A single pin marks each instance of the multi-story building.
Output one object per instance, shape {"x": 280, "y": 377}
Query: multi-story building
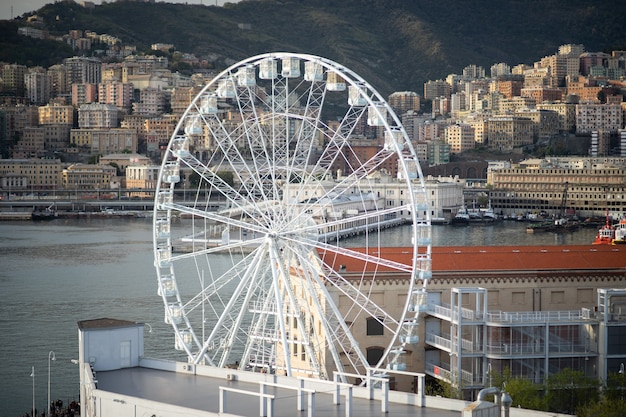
{"x": 600, "y": 143}
{"x": 104, "y": 141}
{"x": 438, "y": 152}
{"x": 83, "y": 177}
{"x": 38, "y": 86}
{"x": 541, "y": 94}
{"x": 460, "y": 137}
{"x": 566, "y": 112}
{"x": 587, "y": 89}
{"x": 116, "y": 93}
{"x": 586, "y": 186}
{"x": 158, "y": 132}
{"x": 13, "y": 79}
{"x": 509, "y": 86}
{"x": 505, "y": 133}
{"x": 437, "y": 88}
{"x": 499, "y": 69}
{"x": 142, "y": 177}
{"x": 31, "y": 144}
{"x": 480, "y": 126}
{"x": 125, "y": 160}
{"x": 530, "y": 309}
{"x": 536, "y": 77}
{"x": 97, "y": 116}
{"x": 56, "y": 114}
{"x": 58, "y": 79}
{"x": 403, "y": 101}
{"x": 592, "y": 59}
{"x": 181, "y": 98}
{"x": 473, "y": 72}
{"x": 152, "y": 102}
{"x": 514, "y": 104}
{"x": 83, "y": 70}
{"x": 546, "y": 123}
{"x": 57, "y": 137}
{"x": 84, "y": 93}
{"x": 596, "y": 116}
{"x": 36, "y": 173}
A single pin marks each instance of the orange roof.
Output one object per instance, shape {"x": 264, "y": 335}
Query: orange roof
{"x": 501, "y": 258}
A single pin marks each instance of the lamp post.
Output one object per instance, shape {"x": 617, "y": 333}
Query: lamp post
{"x": 51, "y": 357}
{"x": 32, "y": 375}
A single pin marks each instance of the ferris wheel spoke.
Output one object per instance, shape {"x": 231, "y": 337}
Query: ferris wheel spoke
{"x": 252, "y": 278}
{"x": 332, "y": 320}
{"x": 246, "y": 280}
{"x": 361, "y": 258}
{"x": 239, "y": 246}
{"x": 220, "y": 217}
{"x": 216, "y": 286}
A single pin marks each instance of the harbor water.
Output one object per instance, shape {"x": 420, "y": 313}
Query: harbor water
{"x": 54, "y": 274}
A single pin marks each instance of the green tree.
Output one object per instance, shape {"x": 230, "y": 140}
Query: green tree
{"x": 568, "y": 390}
{"x": 603, "y": 408}
{"x": 523, "y": 391}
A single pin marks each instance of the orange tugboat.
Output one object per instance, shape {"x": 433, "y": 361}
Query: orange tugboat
{"x": 606, "y": 234}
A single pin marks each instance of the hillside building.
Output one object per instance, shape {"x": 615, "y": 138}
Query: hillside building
{"x": 505, "y": 133}
{"x": 596, "y": 116}
{"x": 56, "y": 114}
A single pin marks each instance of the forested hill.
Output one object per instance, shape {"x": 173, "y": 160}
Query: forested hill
{"x": 394, "y": 44}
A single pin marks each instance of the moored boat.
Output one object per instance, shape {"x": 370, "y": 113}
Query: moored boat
{"x": 619, "y": 237}
{"x": 462, "y": 217}
{"x": 606, "y": 234}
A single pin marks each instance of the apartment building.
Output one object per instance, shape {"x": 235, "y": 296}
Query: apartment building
{"x": 116, "y": 93}
{"x": 83, "y": 70}
{"x": 34, "y": 173}
{"x": 460, "y": 137}
{"x": 437, "y": 88}
{"x": 38, "y": 84}
{"x": 403, "y": 101}
{"x": 546, "y": 123}
{"x": 84, "y": 93}
{"x": 97, "y": 116}
{"x": 596, "y": 116}
{"x": 13, "y": 79}
{"x": 505, "y": 133}
{"x": 56, "y": 114}
{"x": 566, "y": 113}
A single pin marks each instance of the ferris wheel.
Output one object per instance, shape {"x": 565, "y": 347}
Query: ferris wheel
{"x": 268, "y": 221}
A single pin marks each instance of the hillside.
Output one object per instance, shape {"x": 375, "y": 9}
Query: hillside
{"x": 394, "y": 44}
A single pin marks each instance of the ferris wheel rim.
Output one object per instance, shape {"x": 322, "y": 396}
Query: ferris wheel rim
{"x": 354, "y": 79}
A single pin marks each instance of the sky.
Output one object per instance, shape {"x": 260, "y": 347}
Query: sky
{"x": 14, "y": 8}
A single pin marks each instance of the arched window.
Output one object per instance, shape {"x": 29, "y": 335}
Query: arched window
{"x": 374, "y": 354}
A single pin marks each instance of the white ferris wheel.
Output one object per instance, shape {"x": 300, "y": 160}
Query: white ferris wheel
{"x": 258, "y": 197}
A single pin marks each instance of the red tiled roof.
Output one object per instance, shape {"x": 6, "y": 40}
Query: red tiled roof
{"x": 503, "y": 258}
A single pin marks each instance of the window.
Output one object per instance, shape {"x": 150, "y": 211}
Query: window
{"x": 374, "y": 327}
{"x": 374, "y": 354}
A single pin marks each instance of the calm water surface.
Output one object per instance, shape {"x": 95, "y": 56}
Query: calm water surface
{"x": 54, "y": 274}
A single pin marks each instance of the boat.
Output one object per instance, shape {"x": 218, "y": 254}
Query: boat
{"x": 48, "y": 214}
{"x": 606, "y": 234}
{"x": 544, "y": 226}
{"x": 461, "y": 217}
{"x": 619, "y": 238}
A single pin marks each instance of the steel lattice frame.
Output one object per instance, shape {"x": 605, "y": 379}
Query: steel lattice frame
{"x": 244, "y": 265}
